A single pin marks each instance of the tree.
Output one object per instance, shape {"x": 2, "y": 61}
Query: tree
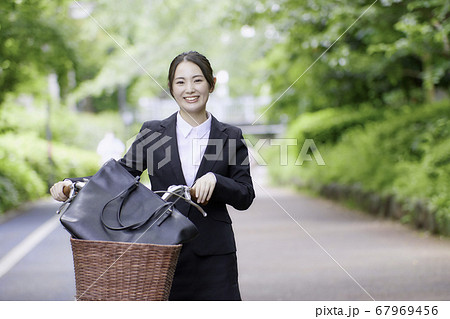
{"x": 424, "y": 28}
{"x": 33, "y": 41}
{"x": 338, "y": 53}
{"x": 145, "y": 36}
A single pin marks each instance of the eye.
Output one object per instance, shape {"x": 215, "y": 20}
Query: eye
{"x": 179, "y": 82}
{"x": 198, "y": 80}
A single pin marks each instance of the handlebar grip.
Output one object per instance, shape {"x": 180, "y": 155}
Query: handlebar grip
{"x": 66, "y": 190}
{"x": 192, "y": 192}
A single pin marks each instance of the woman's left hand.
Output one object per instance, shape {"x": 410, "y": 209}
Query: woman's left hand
{"x": 204, "y": 187}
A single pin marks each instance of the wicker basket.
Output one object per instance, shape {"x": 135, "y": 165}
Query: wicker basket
{"x": 123, "y": 271}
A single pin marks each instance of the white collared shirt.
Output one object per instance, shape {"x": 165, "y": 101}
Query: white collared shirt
{"x": 192, "y": 142}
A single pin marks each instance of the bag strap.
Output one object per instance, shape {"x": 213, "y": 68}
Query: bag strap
{"x": 122, "y": 197}
{"x": 166, "y": 213}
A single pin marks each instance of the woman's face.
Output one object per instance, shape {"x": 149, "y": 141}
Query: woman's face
{"x": 190, "y": 88}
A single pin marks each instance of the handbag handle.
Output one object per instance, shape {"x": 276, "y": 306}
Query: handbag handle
{"x": 123, "y": 196}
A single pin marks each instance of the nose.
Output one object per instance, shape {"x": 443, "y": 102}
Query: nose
{"x": 189, "y": 87}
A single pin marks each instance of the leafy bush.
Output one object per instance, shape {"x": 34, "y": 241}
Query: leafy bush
{"x": 8, "y": 193}
{"x": 405, "y": 153}
{"x": 82, "y": 130}
{"x": 26, "y": 172}
{"x": 66, "y": 161}
{"x": 18, "y": 183}
{"x": 327, "y": 126}
{"x": 85, "y": 130}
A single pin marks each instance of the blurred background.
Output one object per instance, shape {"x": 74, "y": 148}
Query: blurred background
{"x": 373, "y": 95}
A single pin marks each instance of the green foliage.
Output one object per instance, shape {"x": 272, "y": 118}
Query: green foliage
{"x": 42, "y": 37}
{"x": 327, "y": 126}
{"x": 18, "y": 183}
{"x": 85, "y": 130}
{"x": 66, "y": 161}
{"x": 26, "y": 171}
{"x": 150, "y": 34}
{"x": 33, "y": 41}
{"x": 404, "y": 153}
{"x": 342, "y": 78}
{"x": 81, "y": 130}
{"x": 339, "y": 53}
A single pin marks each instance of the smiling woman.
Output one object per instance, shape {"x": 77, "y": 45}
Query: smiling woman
{"x": 191, "y": 81}
{"x": 191, "y": 147}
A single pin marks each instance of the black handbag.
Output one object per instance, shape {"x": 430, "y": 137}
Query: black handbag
{"x": 114, "y": 206}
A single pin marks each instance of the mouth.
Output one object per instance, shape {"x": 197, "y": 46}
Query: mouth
{"x": 191, "y": 99}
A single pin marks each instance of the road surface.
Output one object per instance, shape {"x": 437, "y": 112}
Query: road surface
{"x": 290, "y": 247}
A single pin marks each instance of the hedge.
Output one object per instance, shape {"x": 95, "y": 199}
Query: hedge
{"x": 402, "y": 153}
{"x": 26, "y": 171}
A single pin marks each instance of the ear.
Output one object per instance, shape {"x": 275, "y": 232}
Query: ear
{"x": 212, "y": 88}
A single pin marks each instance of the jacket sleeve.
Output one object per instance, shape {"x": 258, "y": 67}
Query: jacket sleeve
{"x": 135, "y": 159}
{"x": 236, "y": 188}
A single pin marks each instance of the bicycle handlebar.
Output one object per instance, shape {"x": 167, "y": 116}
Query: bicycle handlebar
{"x": 181, "y": 191}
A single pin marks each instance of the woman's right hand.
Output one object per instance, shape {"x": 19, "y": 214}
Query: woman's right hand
{"x": 57, "y": 190}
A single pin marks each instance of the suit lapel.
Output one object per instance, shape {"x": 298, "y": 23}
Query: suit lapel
{"x": 169, "y": 129}
{"x": 214, "y": 149}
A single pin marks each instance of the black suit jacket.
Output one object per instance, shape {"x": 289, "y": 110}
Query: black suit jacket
{"x": 226, "y": 155}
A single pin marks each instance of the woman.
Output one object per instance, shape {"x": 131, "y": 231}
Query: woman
{"x": 193, "y": 148}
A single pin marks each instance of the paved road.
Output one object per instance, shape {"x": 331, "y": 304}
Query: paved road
{"x": 294, "y": 247}
{"x": 290, "y": 247}
{"x": 46, "y": 271}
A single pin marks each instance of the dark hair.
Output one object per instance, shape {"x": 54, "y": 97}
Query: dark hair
{"x": 198, "y": 59}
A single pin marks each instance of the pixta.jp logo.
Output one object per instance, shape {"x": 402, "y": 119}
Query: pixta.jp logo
{"x": 151, "y": 150}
